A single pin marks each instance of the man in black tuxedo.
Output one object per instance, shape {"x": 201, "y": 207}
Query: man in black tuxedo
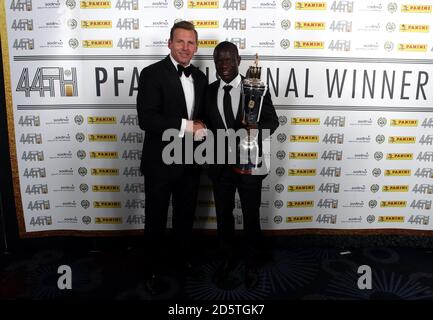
{"x": 223, "y": 111}
{"x": 170, "y": 96}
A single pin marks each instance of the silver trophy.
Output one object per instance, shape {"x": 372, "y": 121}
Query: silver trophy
{"x": 253, "y": 91}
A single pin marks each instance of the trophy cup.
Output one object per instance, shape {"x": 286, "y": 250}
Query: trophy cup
{"x": 253, "y": 91}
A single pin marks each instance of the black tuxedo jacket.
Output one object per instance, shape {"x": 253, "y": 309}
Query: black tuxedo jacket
{"x": 161, "y": 105}
{"x": 214, "y": 121}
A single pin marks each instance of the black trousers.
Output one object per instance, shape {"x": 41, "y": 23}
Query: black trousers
{"x": 182, "y": 188}
{"x": 249, "y": 188}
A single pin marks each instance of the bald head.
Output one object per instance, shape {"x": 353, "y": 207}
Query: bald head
{"x": 227, "y": 61}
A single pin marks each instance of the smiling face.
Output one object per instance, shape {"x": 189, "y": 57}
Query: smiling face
{"x": 227, "y": 61}
{"x": 183, "y": 46}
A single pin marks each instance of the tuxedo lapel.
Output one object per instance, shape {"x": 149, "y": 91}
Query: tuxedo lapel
{"x": 197, "y": 89}
{"x": 174, "y": 82}
{"x": 214, "y": 100}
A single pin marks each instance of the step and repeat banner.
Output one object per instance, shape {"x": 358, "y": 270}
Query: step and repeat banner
{"x": 351, "y": 82}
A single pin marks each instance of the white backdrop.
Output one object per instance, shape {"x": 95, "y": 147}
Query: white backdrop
{"x": 351, "y": 82}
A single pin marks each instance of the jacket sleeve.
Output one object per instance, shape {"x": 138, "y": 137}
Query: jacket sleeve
{"x": 150, "y": 108}
{"x": 268, "y": 117}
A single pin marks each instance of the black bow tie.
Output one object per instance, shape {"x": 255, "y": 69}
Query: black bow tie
{"x": 187, "y": 71}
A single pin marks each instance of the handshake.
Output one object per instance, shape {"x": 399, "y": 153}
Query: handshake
{"x": 197, "y": 128}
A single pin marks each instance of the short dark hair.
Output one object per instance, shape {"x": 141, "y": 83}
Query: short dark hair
{"x": 226, "y": 45}
{"x": 183, "y": 25}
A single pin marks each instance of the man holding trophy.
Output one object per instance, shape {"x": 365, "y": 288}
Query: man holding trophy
{"x": 238, "y": 104}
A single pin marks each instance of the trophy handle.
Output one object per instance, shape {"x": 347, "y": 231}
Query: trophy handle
{"x": 261, "y": 103}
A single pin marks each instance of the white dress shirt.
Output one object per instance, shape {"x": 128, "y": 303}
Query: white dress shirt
{"x": 235, "y": 94}
{"x": 188, "y": 91}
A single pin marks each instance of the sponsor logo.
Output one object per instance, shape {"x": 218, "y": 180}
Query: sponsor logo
{"x": 278, "y": 204}
{"x": 281, "y": 155}
{"x": 301, "y": 44}
{"x": 102, "y": 137}
{"x": 390, "y": 219}
{"x": 415, "y": 28}
{"x": 134, "y": 204}
{"x": 104, "y": 172}
{"x": 139, "y": 188}
{"x": 106, "y": 204}
{"x": 205, "y": 23}
{"x": 401, "y": 139}
{"x": 282, "y": 120}
{"x": 395, "y": 188}
{"x": 108, "y": 220}
{"x": 207, "y": 43}
{"x": 425, "y": 156}
{"x": 105, "y": 188}
{"x": 309, "y": 25}
{"x": 203, "y": 4}
{"x": 299, "y": 219}
{"x": 38, "y": 205}
{"x": 327, "y": 218}
{"x": 328, "y": 203}
{"x": 31, "y": 138}
{"x": 413, "y": 47}
{"x": 393, "y": 204}
{"x": 235, "y": 4}
{"x": 101, "y": 120}
{"x": 104, "y": 155}
{"x": 339, "y": 45}
{"x": 397, "y": 172}
{"x": 310, "y": 5}
{"x": 421, "y": 204}
{"x": 424, "y": 173}
{"x": 332, "y": 155}
{"x": 301, "y": 188}
{"x": 41, "y": 221}
{"x": 37, "y": 189}
{"x": 86, "y": 220}
{"x": 419, "y": 219}
{"x": 33, "y": 155}
{"x": 371, "y": 218}
{"x": 303, "y": 155}
{"x": 333, "y": 138}
{"x": 281, "y": 137}
{"x": 372, "y": 203}
{"x": 128, "y": 24}
{"x": 22, "y": 25}
{"x": 330, "y": 172}
{"x": 135, "y": 219}
{"x": 97, "y": 43}
{"x": 335, "y": 121}
{"x": 132, "y": 172}
{"x": 304, "y": 138}
{"x": 300, "y": 204}
{"x": 426, "y": 139}
{"x": 423, "y": 188}
{"x": 399, "y": 156}
{"x": 352, "y": 220}
{"x": 427, "y": 123}
{"x": 21, "y": 5}
{"x": 95, "y": 4}
{"x": 29, "y": 121}
{"x": 416, "y": 8}
{"x": 127, "y": 4}
{"x": 341, "y": 26}
{"x": 279, "y": 171}
{"x": 132, "y": 137}
{"x": 342, "y": 6}
{"x": 96, "y": 24}
{"x": 301, "y": 172}
{"x": 329, "y": 187}
{"x": 235, "y": 24}
{"x": 304, "y": 121}
{"x": 376, "y": 172}
{"x": 278, "y": 219}
{"x": 241, "y": 43}
{"x": 130, "y": 120}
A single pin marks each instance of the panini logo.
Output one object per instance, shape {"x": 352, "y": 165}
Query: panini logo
{"x": 300, "y": 204}
{"x": 105, "y": 188}
{"x": 404, "y": 123}
{"x": 401, "y": 139}
{"x": 417, "y": 8}
{"x": 305, "y": 121}
{"x": 101, "y": 120}
{"x": 108, "y": 220}
{"x": 207, "y": 43}
{"x": 95, "y": 4}
{"x": 310, "y": 5}
{"x": 102, "y": 137}
{"x": 414, "y": 28}
{"x": 104, "y": 172}
{"x": 96, "y": 24}
{"x": 196, "y": 4}
{"x": 106, "y": 204}
{"x": 309, "y": 44}
{"x": 414, "y": 47}
{"x": 309, "y": 25}
{"x": 399, "y": 156}
{"x": 104, "y": 155}
{"x": 313, "y": 139}
{"x": 97, "y": 43}
{"x": 301, "y": 188}
{"x": 303, "y": 155}
{"x": 395, "y": 188}
{"x": 301, "y": 172}
{"x": 205, "y": 23}
{"x": 391, "y": 219}
{"x": 398, "y": 172}
{"x": 299, "y": 219}
{"x": 393, "y": 204}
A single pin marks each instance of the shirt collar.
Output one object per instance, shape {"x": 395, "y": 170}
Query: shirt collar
{"x": 175, "y": 63}
{"x": 234, "y": 83}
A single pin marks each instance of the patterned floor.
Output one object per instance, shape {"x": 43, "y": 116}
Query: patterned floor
{"x": 293, "y": 273}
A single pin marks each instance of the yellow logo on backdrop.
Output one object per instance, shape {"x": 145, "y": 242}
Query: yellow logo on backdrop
{"x": 305, "y": 121}
{"x": 393, "y": 204}
{"x": 391, "y": 219}
{"x": 95, "y": 4}
{"x": 108, "y": 220}
{"x": 309, "y": 44}
{"x": 401, "y": 139}
{"x": 309, "y": 25}
{"x": 303, "y": 155}
{"x": 205, "y": 23}
{"x": 302, "y": 172}
{"x": 105, "y": 172}
{"x": 404, "y": 123}
{"x": 417, "y": 8}
{"x": 97, "y": 43}
{"x": 101, "y": 120}
{"x": 310, "y": 5}
{"x": 197, "y": 4}
{"x": 104, "y": 155}
{"x": 301, "y": 188}
{"x": 301, "y": 138}
{"x": 102, "y": 137}
{"x": 416, "y": 47}
{"x": 300, "y": 204}
{"x": 106, "y": 204}
{"x": 414, "y": 28}
{"x": 399, "y": 156}
{"x": 398, "y": 172}
{"x": 395, "y": 188}
{"x": 207, "y": 43}
{"x": 299, "y": 219}
{"x": 96, "y": 24}
{"x": 106, "y": 188}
